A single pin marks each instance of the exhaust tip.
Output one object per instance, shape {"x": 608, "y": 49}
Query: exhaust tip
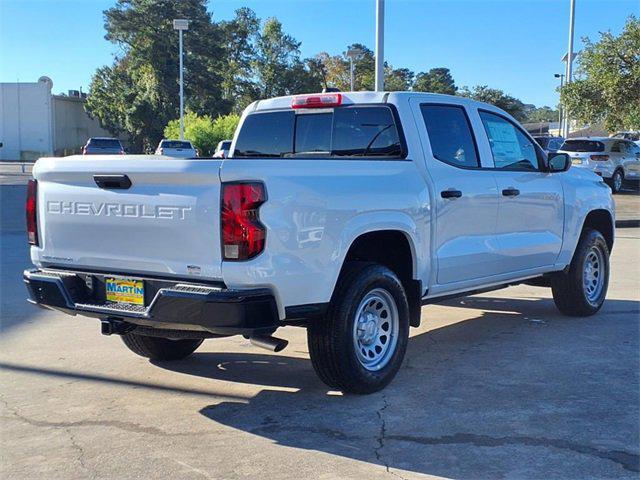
{"x": 112, "y": 326}
{"x": 272, "y": 344}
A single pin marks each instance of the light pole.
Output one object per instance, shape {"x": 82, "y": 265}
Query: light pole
{"x": 572, "y": 11}
{"x": 352, "y": 53}
{"x": 181, "y": 25}
{"x": 379, "y": 83}
{"x": 561, "y": 77}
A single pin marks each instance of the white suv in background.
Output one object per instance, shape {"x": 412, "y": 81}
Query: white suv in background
{"x": 176, "y": 148}
{"x": 616, "y": 160}
{"x": 633, "y": 136}
{"x": 222, "y": 149}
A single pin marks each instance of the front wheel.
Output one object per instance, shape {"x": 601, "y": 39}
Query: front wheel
{"x": 158, "y": 348}
{"x": 360, "y": 345}
{"x": 580, "y": 291}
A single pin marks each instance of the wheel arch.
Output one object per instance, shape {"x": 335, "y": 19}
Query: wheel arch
{"x": 395, "y": 248}
{"x": 602, "y": 221}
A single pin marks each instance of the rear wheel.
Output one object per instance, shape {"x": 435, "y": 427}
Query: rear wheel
{"x": 617, "y": 180}
{"x": 360, "y": 345}
{"x": 158, "y": 348}
{"x": 581, "y": 290}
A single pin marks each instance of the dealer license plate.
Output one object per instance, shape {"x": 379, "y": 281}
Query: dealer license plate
{"x": 125, "y": 290}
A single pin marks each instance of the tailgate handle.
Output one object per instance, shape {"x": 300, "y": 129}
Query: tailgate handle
{"x": 115, "y": 182}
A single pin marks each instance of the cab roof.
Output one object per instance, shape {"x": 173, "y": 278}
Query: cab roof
{"x": 349, "y": 98}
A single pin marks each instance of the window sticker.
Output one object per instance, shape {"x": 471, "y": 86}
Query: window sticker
{"x": 504, "y": 141}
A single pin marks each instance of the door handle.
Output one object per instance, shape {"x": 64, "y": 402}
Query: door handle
{"x": 115, "y": 182}
{"x": 510, "y": 192}
{"x": 451, "y": 194}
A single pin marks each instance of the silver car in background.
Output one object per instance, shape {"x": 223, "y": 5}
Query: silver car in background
{"x": 103, "y": 146}
{"x": 176, "y": 148}
{"x": 222, "y": 149}
{"x": 633, "y": 136}
{"x": 615, "y": 160}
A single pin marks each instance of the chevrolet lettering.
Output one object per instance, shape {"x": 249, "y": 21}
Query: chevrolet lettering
{"x": 118, "y": 210}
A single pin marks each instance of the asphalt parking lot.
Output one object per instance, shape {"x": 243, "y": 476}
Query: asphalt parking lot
{"x": 495, "y": 385}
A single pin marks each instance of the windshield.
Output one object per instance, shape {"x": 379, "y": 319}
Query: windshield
{"x": 582, "y": 146}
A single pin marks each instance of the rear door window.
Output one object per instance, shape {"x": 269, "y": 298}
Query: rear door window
{"x": 629, "y": 148}
{"x": 450, "y": 135}
{"x": 617, "y": 147}
{"x": 358, "y": 131}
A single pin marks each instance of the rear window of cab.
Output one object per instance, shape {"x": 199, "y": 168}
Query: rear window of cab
{"x": 175, "y": 144}
{"x": 105, "y": 142}
{"x": 347, "y": 131}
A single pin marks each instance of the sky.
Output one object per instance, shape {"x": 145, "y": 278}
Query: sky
{"x": 513, "y": 45}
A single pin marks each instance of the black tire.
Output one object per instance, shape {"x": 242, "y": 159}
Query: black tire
{"x": 158, "y": 348}
{"x": 617, "y": 181}
{"x": 569, "y": 292}
{"x": 332, "y": 346}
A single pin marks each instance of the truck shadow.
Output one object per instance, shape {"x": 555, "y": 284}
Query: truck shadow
{"x": 502, "y": 394}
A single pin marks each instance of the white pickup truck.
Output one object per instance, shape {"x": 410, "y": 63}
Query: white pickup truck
{"x": 339, "y": 212}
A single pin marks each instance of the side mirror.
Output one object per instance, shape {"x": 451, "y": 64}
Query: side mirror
{"x": 558, "y": 162}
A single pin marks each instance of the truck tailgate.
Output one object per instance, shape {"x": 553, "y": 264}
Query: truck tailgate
{"x": 166, "y": 223}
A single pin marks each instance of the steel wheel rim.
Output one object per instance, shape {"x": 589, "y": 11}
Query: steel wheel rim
{"x": 375, "y": 329}
{"x": 593, "y": 274}
{"x": 617, "y": 180}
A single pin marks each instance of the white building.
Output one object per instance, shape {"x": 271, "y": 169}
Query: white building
{"x": 35, "y": 123}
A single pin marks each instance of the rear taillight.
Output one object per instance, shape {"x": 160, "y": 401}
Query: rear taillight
{"x": 242, "y": 233}
{"x": 32, "y": 212}
{"x": 599, "y": 158}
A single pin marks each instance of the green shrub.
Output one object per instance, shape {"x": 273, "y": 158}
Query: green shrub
{"x": 203, "y": 131}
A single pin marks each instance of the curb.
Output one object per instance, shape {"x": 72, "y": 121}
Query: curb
{"x": 627, "y": 223}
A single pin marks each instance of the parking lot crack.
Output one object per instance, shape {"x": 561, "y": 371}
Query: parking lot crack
{"x": 79, "y": 449}
{"x": 118, "y": 424}
{"x": 381, "y": 438}
{"x": 628, "y": 461}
